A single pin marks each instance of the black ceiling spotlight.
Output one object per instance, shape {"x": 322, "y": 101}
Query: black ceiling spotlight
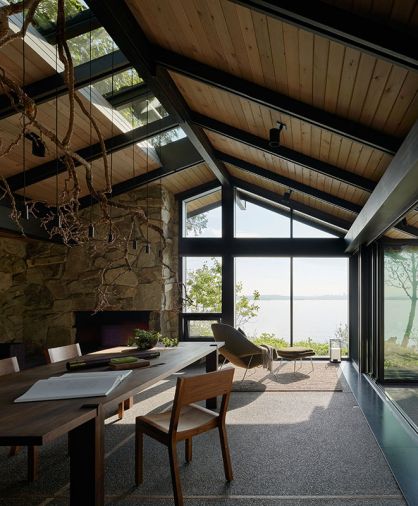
{"x": 274, "y": 139}
{"x": 38, "y": 145}
{"x": 286, "y": 196}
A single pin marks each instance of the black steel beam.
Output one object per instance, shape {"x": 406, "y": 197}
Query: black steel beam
{"x": 395, "y": 194}
{"x": 130, "y": 38}
{"x": 264, "y": 247}
{"x": 90, "y": 153}
{"x": 277, "y": 101}
{"x": 128, "y": 95}
{"x": 297, "y": 206}
{"x": 283, "y": 152}
{"x": 185, "y": 158}
{"x": 48, "y": 88}
{"x": 382, "y": 41}
{"x": 306, "y": 220}
{"x": 83, "y": 22}
{"x": 289, "y": 183}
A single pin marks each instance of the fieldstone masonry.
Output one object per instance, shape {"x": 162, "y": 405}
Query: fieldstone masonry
{"x": 42, "y": 284}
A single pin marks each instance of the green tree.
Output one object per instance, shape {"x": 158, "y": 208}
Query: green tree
{"x": 402, "y": 272}
{"x": 204, "y": 290}
{"x": 197, "y": 223}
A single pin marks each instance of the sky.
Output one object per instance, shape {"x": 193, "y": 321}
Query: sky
{"x": 271, "y": 276}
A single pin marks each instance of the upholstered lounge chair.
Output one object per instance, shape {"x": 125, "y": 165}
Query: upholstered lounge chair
{"x": 238, "y": 349}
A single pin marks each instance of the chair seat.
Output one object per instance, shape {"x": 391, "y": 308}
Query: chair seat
{"x": 191, "y": 418}
{"x": 295, "y": 352}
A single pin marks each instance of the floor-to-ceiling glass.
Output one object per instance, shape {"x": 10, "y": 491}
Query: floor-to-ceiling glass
{"x": 320, "y": 302}
{"x": 262, "y": 299}
{"x": 400, "y": 312}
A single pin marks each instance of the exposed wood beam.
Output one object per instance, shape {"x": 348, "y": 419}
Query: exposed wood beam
{"x": 382, "y": 41}
{"x": 395, "y": 194}
{"x": 84, "y": 74}
{"x": 283, "y": 152}
{"x": 83, "y": 22}
{"x": 289, "y": 183}
{"x": 128, "y": 95}
{"x": 90, "y": 153}
{"x": 276, "y": 101}
{"x": 177, "y": 156}
{"x": 297, "y": 206}
{"x": 130, "y": 38}
{"x": 306, "y": 220}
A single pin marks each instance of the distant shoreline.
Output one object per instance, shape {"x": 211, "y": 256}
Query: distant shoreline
{"x": 312, "y": 297}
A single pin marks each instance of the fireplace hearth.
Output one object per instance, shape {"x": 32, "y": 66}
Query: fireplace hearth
{"x": 108, "y": 328}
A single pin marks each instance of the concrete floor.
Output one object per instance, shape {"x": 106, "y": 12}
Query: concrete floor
{"x": 288, "y": 448}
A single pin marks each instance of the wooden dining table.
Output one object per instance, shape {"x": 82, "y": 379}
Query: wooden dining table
{"x": 37, "y": 423}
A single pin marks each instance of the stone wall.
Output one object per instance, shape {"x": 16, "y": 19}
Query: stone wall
{"x": 42, "y": 283}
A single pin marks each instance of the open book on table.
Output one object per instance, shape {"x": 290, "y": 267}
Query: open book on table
{"x": 72, "y": 386}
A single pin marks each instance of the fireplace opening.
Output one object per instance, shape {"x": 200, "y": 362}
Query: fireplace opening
{"x": 107, "y": 329}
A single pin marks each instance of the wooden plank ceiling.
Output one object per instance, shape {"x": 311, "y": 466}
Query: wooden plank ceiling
{"x": 312, "y": 69}
{"x": 296, "y": 63}
{"x": 124, "y": 164}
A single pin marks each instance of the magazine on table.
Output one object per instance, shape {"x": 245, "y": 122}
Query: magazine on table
{"x": 73, "y": 386}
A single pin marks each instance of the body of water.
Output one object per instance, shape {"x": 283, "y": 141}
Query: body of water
{"x": 313, "y": 318}
{"x": 319, "y": 319}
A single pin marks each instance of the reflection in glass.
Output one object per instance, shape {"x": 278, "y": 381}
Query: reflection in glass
{"x": 203, "y": 215}
{"x": 400, "y": 315}
{"x": 46, "y": 13}
{"x": 320, "y": 302}
{"x": 141, "y": 111}
{"x": 167, "y": 137}
{"x": 120, "y": 81}
{"x": 101, "y": 44}
{"x": 203, "y": 284}
{"x": 262, "y": 299}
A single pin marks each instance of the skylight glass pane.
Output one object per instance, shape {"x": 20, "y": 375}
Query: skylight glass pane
{"x": 46, "y": 13}
{"x": 101, "y": 44}
{"x": 122, "y": 80}
{"x": 167, "y": 137}
{"x": 143, "y": 111}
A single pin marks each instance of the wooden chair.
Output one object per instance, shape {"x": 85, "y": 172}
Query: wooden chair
{"x": 63, "y": 353}
{"x": 72, "y": 351}
{"x": 186, "y": 420}
{"x": 9, "y": 366}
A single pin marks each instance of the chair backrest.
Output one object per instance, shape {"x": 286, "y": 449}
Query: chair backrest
{"x": 9, "y": 365}
{"x": 199, "y": 388}
{"x": 235, "y": 342}
{"x": 63, "y": 353}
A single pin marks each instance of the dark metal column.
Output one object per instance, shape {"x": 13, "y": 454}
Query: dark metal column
{"x": 228, "y": 266}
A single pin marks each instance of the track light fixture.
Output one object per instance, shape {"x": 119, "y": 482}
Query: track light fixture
{"x": 274, "y": 139}
{"x": 38, "y": 145}
{"x": 286, "y": 196}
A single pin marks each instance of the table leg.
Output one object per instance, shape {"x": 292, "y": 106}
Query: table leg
{"x": 87, "y": 463}
{"x": 212, "y": 365}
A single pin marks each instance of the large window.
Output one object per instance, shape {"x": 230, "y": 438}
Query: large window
{"x": 400, "y": 312}
{"x": 252, "y": 220}
{"x": 262, "y": 298}
{"x": 320, "y": 302}
{"x": 203, "y": 215}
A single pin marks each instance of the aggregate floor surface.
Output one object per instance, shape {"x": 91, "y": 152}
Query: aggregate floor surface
{"x": 287, "y": 448}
